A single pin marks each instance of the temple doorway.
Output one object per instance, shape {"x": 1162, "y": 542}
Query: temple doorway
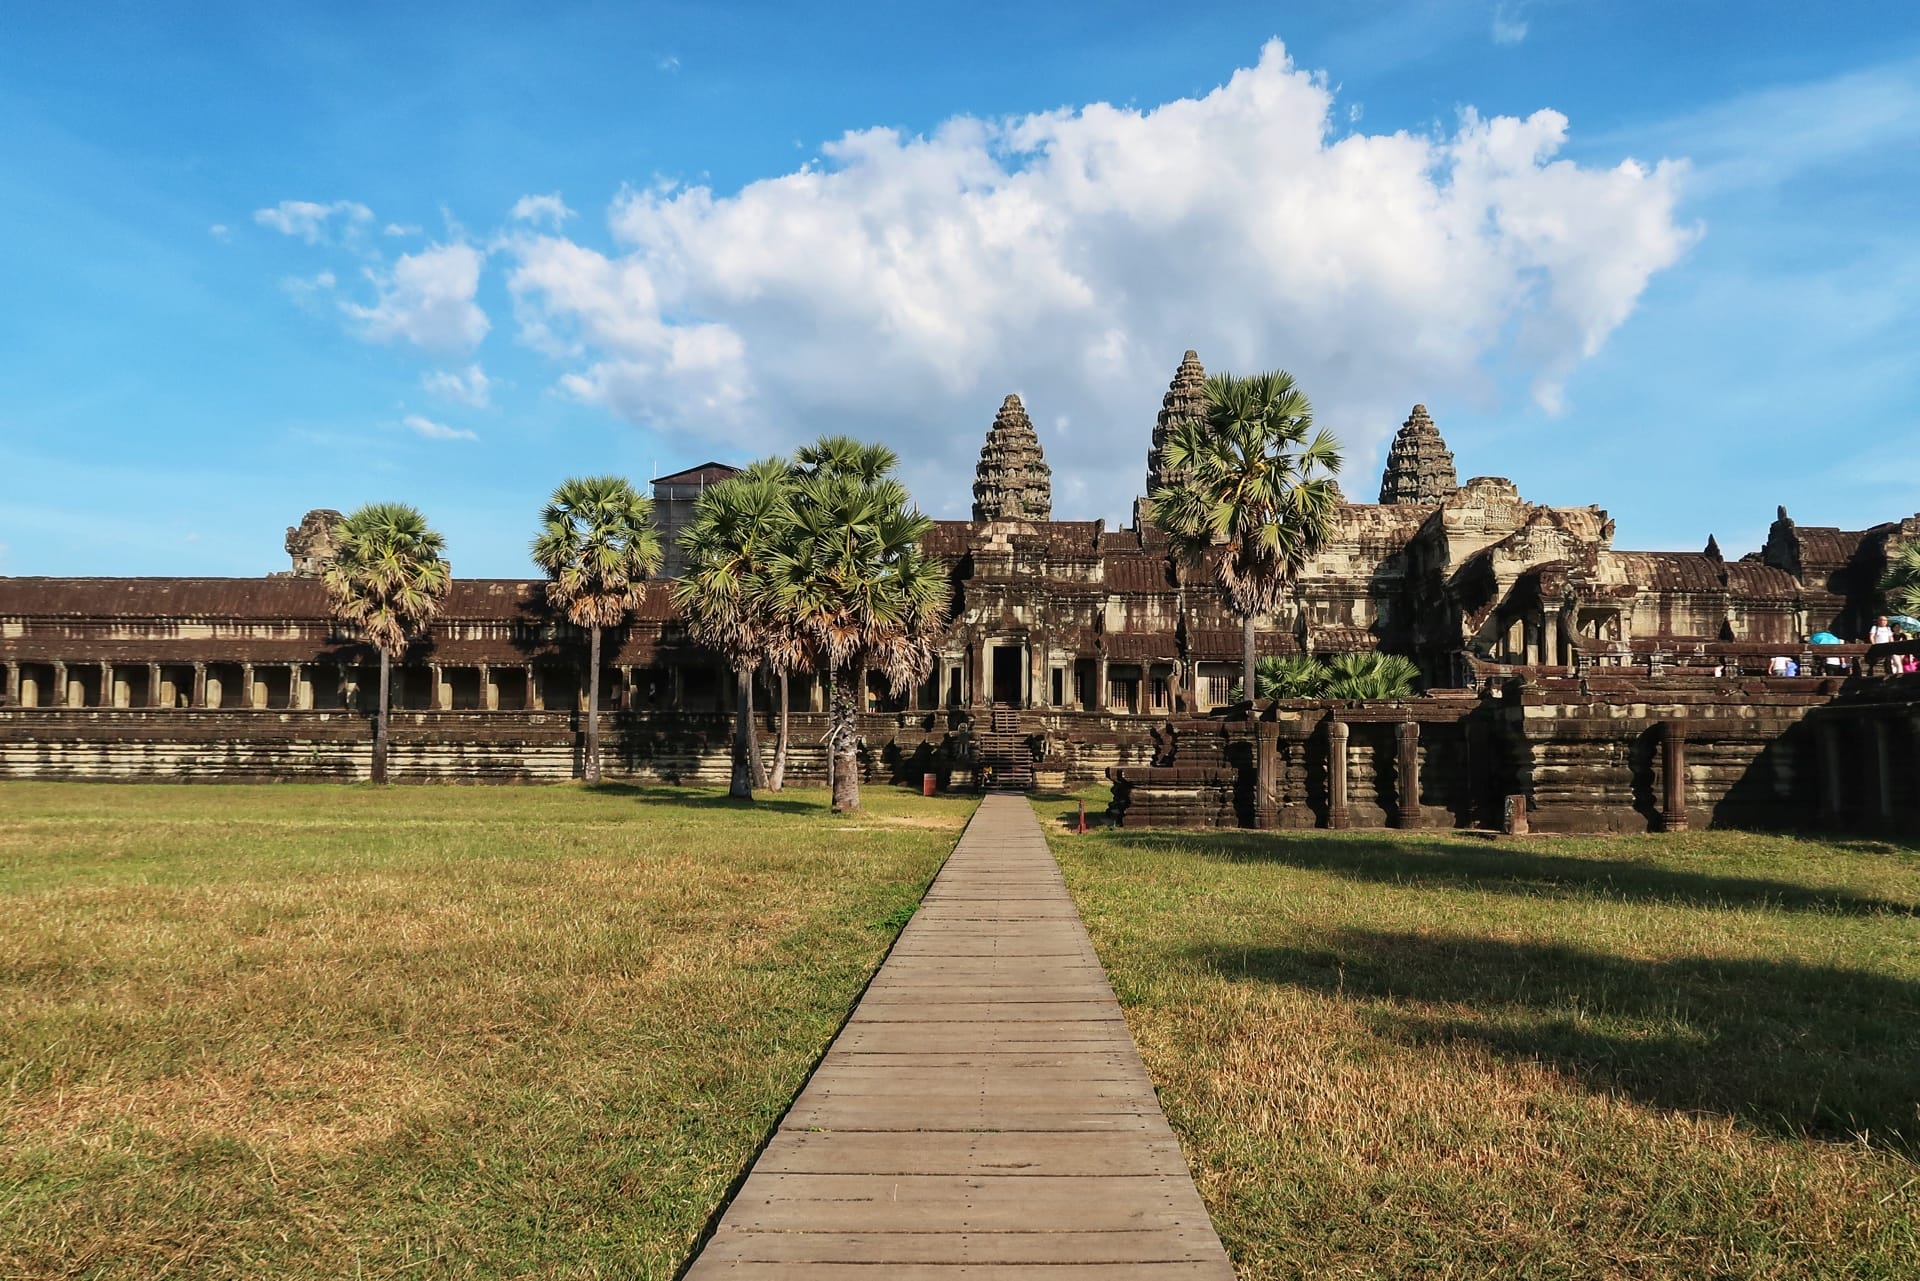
{"x": 1006, "y": 674}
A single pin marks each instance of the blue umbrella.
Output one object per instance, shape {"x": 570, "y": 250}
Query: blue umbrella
{"x": 1824, "y": 638}
{"x": 1906, "y": 622}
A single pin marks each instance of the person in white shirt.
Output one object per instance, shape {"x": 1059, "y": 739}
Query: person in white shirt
{"x": 1881, "y": 633}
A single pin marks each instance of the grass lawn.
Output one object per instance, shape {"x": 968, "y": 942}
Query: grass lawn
{"x": 307, "y": 1031}
{"x": 1442, "y": 1056}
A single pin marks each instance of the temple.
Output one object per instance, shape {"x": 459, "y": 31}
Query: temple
{"x": 1555, "y": 668}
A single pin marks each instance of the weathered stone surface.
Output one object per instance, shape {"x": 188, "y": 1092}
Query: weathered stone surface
{"x": 310, "y": 543}
{"x": 1419, "y": 465}
{"x": 1012, "y": 481}
{"x": 1186, "y": 398}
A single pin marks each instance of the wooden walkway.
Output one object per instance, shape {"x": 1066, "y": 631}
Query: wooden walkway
{"x": 984, "y": 1113}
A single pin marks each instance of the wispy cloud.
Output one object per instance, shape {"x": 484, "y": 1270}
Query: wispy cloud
{"x": 426, "y": 299}
{"x": 1508, "y": 26}
{"x": 469, "y": 386}
{"x": 315, "y": 223}
{"x": 220, "y": 231}
{"x": 431, "y": 430}
{"x": 549, "y": 210}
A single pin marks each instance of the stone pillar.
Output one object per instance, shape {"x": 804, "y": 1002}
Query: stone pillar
{"x": 299, "y": 689}
{"x": 626, "y": 688}
{"x": 436, "y": 688}
{"x": 677, "y": 687}
{"x": 537, "y": 702}
{"x": 1336, "y": 773}
{"x": 13, "y": 684}
{"x": 977, "y": 676}
{"x": 489, "y": 692}
{"x": 153, "y": 685}
{"x": 1826, "y": 738}
{"x": 246, "y": 686}
{"x": 199, "y": 698}
{"x": 1882, "y": 769}
{"x": 1100, "y": 686}
{"x": 1673, "y": 796}
{"x": 349, "y": 688}
{"x": 1406, "y": 741}
{"x": 107, "y": 697}
{"x": 62, "y": 696}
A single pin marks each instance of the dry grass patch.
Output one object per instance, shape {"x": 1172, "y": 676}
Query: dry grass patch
{"x": 323, "y": 1031}
{"x": 1694, "y": 1056}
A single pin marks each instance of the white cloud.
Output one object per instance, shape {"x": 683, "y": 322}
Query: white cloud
{"x": 1508, "y": 27}
{"x": 315, "y": 223}
{"x": 426, "y": 299}
{"x": 469, "y": 386}
{"x": 399, "y": 229}
{"x": 550, "y": 210}
{"x": 219, "y": 231}
{"x": 900, "y": 287}
{"x": 432, "y": 430}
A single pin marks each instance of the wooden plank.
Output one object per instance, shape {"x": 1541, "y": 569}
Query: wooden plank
{"x": 984, "y": 1112}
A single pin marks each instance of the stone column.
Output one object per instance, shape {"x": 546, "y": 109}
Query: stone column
{"x": 299, "y": 691}
{"x": 1673, "y": 800}
{"x": 246, "y": 686}
{"x": 977, "y": 676}
{"x": 489, "y": 692}
{"x": 13, "y": 684}
{"x": 1826, "y": 737}
{"x": 436, "y": 685}
{"x": 349, "y": 688}
{"x": 107, "y": 698}
{"x": 1100, "y": 686}
{"x": 536, "y": 702}
{"x": 1406, "y": 736}
{"x": 1336, "y": 773}
{"x": 677, "y": 687}
{"x": 1882, "y": 768}
{"x": 62, "y": 696}
{"x": 199, "y": 698}
{"x": 153, "y": 684}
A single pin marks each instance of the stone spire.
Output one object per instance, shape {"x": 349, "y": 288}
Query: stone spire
{"x": 1419, "y": 466}
{"x": 1186, "y": 398}
{"x": 1013, "y": 481}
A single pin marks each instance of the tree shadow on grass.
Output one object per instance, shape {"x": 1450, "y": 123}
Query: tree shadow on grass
{"x": 1504, "y": 868}
{"x": 673, "y": 797}
{"x": 1791, "y": 1049}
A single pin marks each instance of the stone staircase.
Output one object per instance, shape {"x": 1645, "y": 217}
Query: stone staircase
{"x": 1006, "y": 760}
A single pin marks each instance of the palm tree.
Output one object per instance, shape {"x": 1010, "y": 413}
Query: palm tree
{"x": 388, "y": 580}
{"x": 738, "y": 526}
{"x": 1902, "y": 581}
{"x": 856, "y": 587}
{"x": 597, "y": 544}
{"x": 1254, "y": 486}
{"x": 1368, "y": 676}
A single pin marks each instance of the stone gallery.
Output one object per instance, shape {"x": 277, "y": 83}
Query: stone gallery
{"x": 1568, "y": 685}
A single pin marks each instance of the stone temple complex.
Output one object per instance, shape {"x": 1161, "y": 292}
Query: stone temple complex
{"x": 1568, "y": 684}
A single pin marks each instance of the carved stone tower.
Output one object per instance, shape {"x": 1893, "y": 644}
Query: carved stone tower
{"x": 1419, "y": 465}
{"x": 1186, "y": 398}
{"x": 310, "y": 543}
{"x": 1013, "y": 481}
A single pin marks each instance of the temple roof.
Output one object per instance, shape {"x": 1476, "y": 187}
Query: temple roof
{"x": 1419, "y": 466}
{"x": 707, "y": 473}
{"x": 1186, "y": 398}
{"x": 1012, "y": 480}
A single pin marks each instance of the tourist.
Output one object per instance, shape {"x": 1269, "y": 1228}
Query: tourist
{"x": 1881, "y": 633}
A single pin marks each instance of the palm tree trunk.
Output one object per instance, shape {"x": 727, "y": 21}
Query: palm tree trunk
{"x": 844, "y": 738}
{"x": 779, "y": 778}
{"x": 380, "y": 724}
{"x": 741, "y": 787}
{"x": 591, "y": 768}
{"x": 826, "y": 676}
{"x": 1248, "y": 689}
{"x": 756, "y": 766}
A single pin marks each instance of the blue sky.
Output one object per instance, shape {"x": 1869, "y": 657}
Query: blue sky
{"x": 266, "y": 258}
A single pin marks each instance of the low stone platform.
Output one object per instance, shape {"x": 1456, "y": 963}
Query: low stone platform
{"x": 983, "y": 1114}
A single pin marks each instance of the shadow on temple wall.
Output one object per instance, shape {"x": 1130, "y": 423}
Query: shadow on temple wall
{"x": 1509, "y": 868}
{"x": 1790, "y": 1049}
